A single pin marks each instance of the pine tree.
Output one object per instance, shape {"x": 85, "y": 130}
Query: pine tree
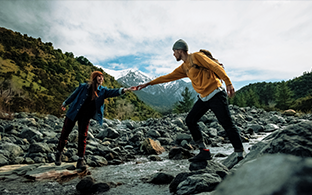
{"x": 283, "y": 96}
{"x": 252, "y": 99}
{"x": 185, "y": 104}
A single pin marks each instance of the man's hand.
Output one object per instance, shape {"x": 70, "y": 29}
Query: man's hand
{"x": 139, "y": 87}
{"x": 133, "y": 88}
{"x": 230, "y": 90}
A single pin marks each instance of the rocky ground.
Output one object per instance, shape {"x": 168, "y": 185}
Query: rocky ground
{"x": 129, "y": 157}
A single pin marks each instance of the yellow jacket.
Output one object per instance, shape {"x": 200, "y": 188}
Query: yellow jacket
{"x": 204, "y": 81}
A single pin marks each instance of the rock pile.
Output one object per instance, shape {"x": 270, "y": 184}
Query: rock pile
{"x": 28, "y": 139}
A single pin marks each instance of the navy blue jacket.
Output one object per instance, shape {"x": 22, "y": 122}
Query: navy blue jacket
{"x": 78, "y": 97}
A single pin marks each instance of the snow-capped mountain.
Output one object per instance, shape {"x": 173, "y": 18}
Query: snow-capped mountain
{"x": 161, "y": 96}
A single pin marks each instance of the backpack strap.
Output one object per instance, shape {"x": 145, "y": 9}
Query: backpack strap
{"x": 202, "y": 67}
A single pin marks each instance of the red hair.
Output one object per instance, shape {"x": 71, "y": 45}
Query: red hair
{"x": 93, "y": 83}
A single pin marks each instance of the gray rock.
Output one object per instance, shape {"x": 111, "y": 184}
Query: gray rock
{"x": 254, "y": 128}
{"x": 271, "y": 127}
{"x": 198, "y": 183}
{"x": 108, "y": 132}
{"x": 99, "y": 161}
{"x": 186, "y": 145}
{"x": 153, "y": 133}
{"x": 85, "y": 185}
{"x": 12, "y": 150}
{"x": 202, "y": 126}
{"x": 179, "y": 122}
{"x": 278, "y": 119}
{"x": 284, "y": 174}
{"x": 183, "y": 136}
{"x": 3, "y": 160}
{"x": 161, "y": 178}
{"x": 29, "y": 133}
{"x": 73, "y": 136}
{"x": 212, "y": 132}
{"x": 178, "y": 153}
{"x": 165, "y": 140}
{"x": 287, "y": 141}
{"x": 39, "y": 148}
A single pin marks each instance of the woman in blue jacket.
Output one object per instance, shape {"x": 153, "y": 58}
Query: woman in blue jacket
{"x": 86, "y": 102}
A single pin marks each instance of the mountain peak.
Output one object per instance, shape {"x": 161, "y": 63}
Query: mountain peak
{"x": 122, "y": 73}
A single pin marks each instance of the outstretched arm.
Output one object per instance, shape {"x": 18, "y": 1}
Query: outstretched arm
{"x": 139, "y": 87}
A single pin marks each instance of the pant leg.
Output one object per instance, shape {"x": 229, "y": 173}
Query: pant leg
{"x": 219, "y": 106}
{"x": 83, "y": 126}
{"x": 67, "y": 128}
{"x": 198, "y": 110}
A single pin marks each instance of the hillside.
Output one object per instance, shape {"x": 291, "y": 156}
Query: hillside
{"x": 35, "y": 77}
{"x": 295, "y": 93}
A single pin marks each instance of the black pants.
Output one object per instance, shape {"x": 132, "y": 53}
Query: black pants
{"x": 83, "y": 126}
{"x": 219, "y": 106}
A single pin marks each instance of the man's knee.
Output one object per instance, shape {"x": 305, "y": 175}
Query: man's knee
{"x": 190, "y": 121}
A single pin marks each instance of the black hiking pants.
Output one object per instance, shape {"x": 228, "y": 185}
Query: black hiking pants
{"x": 219, "y": 106}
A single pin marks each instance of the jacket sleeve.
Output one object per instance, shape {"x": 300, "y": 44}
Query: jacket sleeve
{"x": 213, "y": 66}
{"x": 112, "y": 92}
{"x": 178, "y": 73}
{"x": 71, "y": 98}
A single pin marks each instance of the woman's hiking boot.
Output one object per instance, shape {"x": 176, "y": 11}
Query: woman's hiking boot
{"x": 58, "y": 158}
{"x": 81, "y": 164}
{"x": 204, "y": 154}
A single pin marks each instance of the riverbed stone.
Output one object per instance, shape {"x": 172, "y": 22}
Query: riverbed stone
{"x": 161, "y": 178}
{"x": 178, "y": 153}
{"x": 152, "y": 147}
{"x": 285, "y": 174}
{"x": 85, "y": 185}
{"x": 39, "y": 148}
{"x": 12, "y": 150}
{"x": 198, "y": 183}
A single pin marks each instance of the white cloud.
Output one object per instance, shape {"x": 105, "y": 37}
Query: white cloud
{"x": 256, "y": 40}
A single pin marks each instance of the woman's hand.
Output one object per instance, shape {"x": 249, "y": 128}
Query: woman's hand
{"x": 142, "y": 86}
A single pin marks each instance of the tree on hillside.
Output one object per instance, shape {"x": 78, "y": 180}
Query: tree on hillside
{"x": 185, "y": 104}
{"x": 283, "y": 96}
{"x": 252, "y": 99}
{"x": 238, "y": 100}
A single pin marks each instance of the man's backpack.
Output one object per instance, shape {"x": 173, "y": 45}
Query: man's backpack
{"x": 209, "y": 55}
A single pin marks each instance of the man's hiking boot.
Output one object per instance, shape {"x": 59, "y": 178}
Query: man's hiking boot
{"x": 239, "y": 158}
{"x": 204, "y": 154}
{"x": 58, "y": 158}
{"x": 81, "y": 164}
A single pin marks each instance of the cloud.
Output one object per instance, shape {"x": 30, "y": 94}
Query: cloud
{"x": 255, "y": 40}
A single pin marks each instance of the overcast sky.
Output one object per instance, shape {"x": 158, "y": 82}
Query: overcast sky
{"x": 255, "y": 40}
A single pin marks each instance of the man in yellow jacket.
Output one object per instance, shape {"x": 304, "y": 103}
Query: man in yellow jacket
{"x": 205, "y": 74}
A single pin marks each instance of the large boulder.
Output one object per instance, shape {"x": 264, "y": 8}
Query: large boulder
{"x": 11, "y": 150}
{"x": 198, "y": 183}
{"x": 295, "y": 139}
{"x": 208, "y": 174}
{"x": 270, "y": 174}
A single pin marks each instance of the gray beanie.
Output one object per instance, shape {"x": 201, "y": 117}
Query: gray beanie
{"x": 180, "y": 44}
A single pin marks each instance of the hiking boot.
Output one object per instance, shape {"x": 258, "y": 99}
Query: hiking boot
{"x": 58, "y": 158}
{"x": 204, "y": 154}
{"x": 239, "y": 158}
{"x": 81, "y": 164}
